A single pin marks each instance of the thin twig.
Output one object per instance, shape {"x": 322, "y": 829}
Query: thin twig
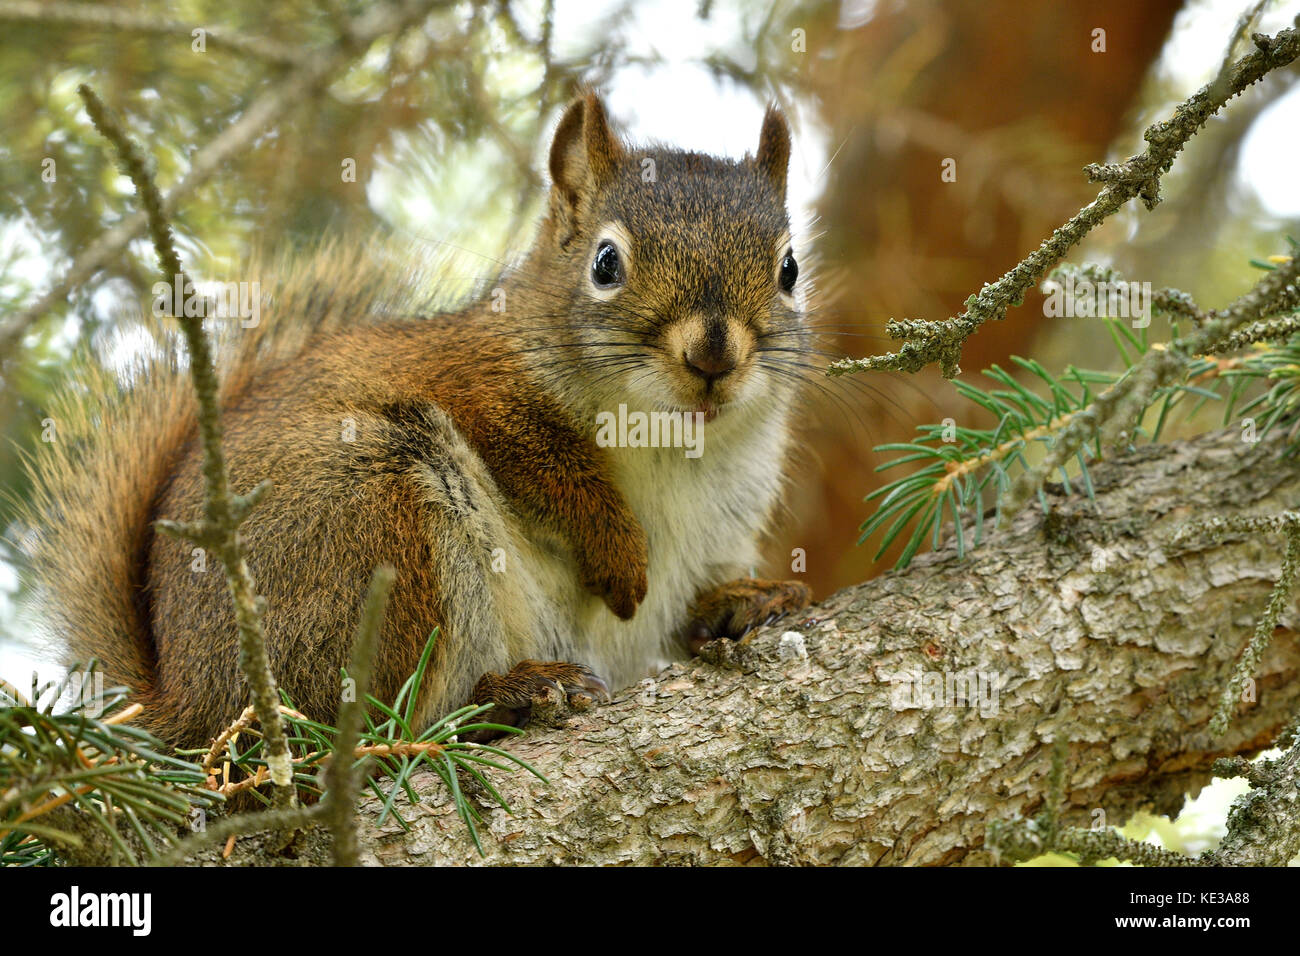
{"x": 220, "y": 743}
{"x": 289, "y": 818}
{"x": 1288, "y": 524}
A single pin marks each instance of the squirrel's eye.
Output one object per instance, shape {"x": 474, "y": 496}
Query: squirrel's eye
{"x": 607, "y": 268}
{"x": 789, "y": 273}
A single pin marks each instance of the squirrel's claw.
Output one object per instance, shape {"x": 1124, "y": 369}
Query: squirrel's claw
{"x": 593, "y": 684}
{"x": 622, "y": 590}
{"x": 615, "y": 568}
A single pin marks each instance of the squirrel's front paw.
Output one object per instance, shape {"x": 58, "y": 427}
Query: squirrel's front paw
{"x": 617, "y": 573}
{"x": 528, "y": 685}
{"x": 731, "y": 609}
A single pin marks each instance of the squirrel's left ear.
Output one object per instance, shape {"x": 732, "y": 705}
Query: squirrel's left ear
{"x": 774, "y": 149}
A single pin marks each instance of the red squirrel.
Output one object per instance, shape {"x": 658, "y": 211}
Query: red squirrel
{"x": 494, "y": 456}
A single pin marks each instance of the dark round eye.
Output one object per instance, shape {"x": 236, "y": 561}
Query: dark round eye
{"x": 607, "y": 268}
{"x": 789, "y": 273}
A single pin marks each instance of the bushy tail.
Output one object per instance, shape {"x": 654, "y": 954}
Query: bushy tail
{"x": 107, "y": 447}
{"x": 113, "y": 438}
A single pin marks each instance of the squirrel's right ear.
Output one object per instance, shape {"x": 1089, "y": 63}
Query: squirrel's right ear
{"x": 774, "y": 149}
{"x": 585, "y": 153}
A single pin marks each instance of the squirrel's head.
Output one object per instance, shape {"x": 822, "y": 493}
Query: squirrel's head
{"x": 671, "y": 275}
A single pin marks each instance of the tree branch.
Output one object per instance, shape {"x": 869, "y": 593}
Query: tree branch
{"x": 223, "y": 510}
{"x": 342, "y": 779}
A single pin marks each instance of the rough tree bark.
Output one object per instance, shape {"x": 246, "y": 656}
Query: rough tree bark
{"x": 1095, "y": 626}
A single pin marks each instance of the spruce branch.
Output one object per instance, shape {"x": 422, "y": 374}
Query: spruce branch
{"x": 1083, "y": 411}
{"x": 392, "y": 748}
{"x": 1114, "y": 413}
{"x": 961, "y": 465}
{"x": 223, "y": 511}
{"x": 925, "y": 342}
{"x": 71, "y": 780}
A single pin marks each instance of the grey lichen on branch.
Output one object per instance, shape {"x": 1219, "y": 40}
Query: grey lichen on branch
{"x": 925, "y": 342}
{"x": 1287, "y": 523}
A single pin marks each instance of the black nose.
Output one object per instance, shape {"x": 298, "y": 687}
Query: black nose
{"x": 709, "y": 365}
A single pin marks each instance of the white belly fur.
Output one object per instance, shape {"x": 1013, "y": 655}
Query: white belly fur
{"x": 703, "y": 518}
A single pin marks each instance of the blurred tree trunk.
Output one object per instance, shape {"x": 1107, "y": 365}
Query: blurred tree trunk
{"x": 1014, "y": 94}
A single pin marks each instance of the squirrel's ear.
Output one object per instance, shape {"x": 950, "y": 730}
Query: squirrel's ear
{"x": 585, "y": 153}
{"x": 774, "y": 148}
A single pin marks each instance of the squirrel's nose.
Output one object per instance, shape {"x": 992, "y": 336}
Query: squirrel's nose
{"x": 709, "y": 365}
